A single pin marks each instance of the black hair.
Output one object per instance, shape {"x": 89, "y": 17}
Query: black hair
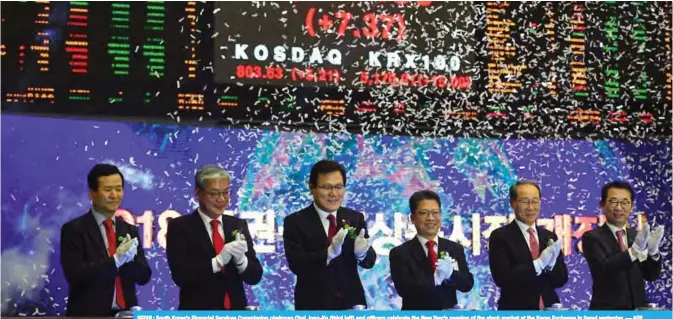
{"x": 512, "y": 189}
{"x": 325, "y": 167}
{"x": 418, "y": 196}
{"x": 100, "y": 170}
{"x": 618, "y": 185}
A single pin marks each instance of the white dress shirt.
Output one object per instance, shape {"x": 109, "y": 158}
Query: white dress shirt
{"x": 423, "y": 242}
{"x": 325, "y": 225}
{"x": 323, "y": 218}
{"x": 100, "y": 218}
{"x": 524, "y": 231}
{"x": 242, "y": 264}
{"x": 625, "y": 238}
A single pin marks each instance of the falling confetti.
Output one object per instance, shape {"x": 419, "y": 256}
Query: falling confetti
{"x": 462, "y": 98}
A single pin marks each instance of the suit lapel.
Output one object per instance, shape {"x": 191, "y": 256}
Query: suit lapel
{"x": 313, "y": 218}
{"x": 609, "y": 238}
{"x": 121, "y": 229}
{"x": 201, "y": 233}
{"x": 418, "y": 254}
{"x": 345, "y": 218}
{"x": 228, "y": 227}
{"x": 442, "y": 246}
{"x": 94, "y": 233}
{"x": 520, "y": 241}
{"x": 630, "y": 236}
{"x": 542, "y": 239}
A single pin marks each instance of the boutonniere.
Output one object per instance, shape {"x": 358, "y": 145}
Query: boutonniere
{"x": 121, "y": 239}
{"x": 443, "y": 254}
{"x": 349, "y": 229}
{"x": 235, "y": 233}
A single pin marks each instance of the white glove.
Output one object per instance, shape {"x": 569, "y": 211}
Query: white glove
{"x": 126, "y": 251}
{"x": 361, "y": 245}
{"x": 640, "y": 243}
{"x": 224, "y": 256}
{"x": 557, "y": 251}
{"x": 238, "y": 248}
{"x": 656, "y": 236}
{"x": 455, "y": 263}
{"x": 124, "y": 246}
{"x": 443, "y": 271}
{"x": 549, "y": 254}
{"x": 334, "y": 249}
{"x": 558, "y": 245}
{"x": 133, "y": 250}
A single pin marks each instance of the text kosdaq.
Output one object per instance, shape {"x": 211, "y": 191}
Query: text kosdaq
{"x": 280, "y": 54}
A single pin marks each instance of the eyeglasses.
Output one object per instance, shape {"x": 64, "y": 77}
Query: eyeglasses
{"x": 329, "y": 188}
{"x": 426, "y": 213}
{"x": 613, "y": 203}
{"x": 215, "y": 195}
{"x": 526, "y": 202}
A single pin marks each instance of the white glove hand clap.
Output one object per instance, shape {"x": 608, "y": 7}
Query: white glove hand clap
{"x": 656, "y": 235}
{"x": 235, "y": 249}
{"x": 239, "y": 247}
{"x": 124, "y": 244}
{"x": 643, "y": 236}
{"x": 444, "y": 270}
{"x": 455, "y": 263}
{"x": 362, "y": 244}
{"x": 557, "y": 250}
{"x": 334, "y": 249}
{"x": 126, "y": 251}
{"x": 549, "y": 254}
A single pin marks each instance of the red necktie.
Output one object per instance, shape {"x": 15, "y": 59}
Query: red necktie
{"x": 620, "y": 239}
{"x": 432, "y": 254}
{"x": 218, "y": 243}
{"x": 331, "y": 231}
{"x": 535, "y": 253}
{"x": 111, "y": 248}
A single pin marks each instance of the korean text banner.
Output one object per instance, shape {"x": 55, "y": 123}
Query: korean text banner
{"x": 45, "y": 162}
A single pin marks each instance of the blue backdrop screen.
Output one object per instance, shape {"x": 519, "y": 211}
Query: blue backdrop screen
{"x": 45, "y": 162}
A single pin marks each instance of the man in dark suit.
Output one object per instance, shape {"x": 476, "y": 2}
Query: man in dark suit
{"x": 526, "y": 260}
{"x": 320, "y": 250}
{"x": 621, "y": 258}
{"x": 100, "y": 254}
{"x": 210, "y": 254}
{"x": 428, "y": 270}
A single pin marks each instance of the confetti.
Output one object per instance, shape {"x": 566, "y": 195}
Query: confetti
{"x": 492, "y": 92}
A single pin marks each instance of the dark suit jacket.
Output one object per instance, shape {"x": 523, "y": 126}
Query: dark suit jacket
{"x": 190, "y": 251}
{"x": 618, "y": 282}
{"x": 91, "y": 273}
{"x": 320, "y": 286}
{"x": 512, "y": 268}
{"x": 414, "y": 279}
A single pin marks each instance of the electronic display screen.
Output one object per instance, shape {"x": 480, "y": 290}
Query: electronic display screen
{"x": 428, "y": 68}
